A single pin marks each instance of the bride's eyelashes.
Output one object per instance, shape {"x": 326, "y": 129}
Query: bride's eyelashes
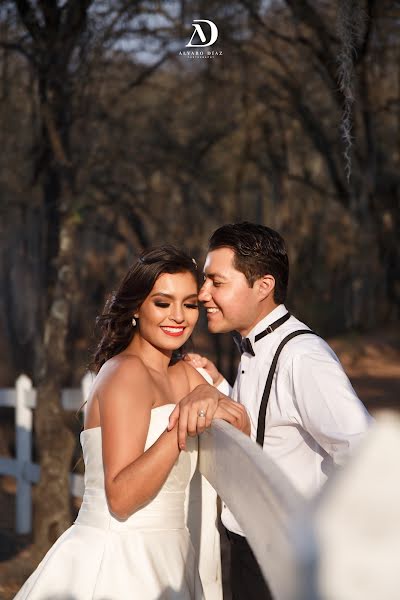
{"x": 166, "y": 305}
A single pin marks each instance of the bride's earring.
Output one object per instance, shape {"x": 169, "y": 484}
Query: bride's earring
{"x": 134, "y": 322}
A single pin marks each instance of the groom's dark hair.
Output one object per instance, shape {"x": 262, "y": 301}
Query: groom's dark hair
{"x": 259, "y": 251}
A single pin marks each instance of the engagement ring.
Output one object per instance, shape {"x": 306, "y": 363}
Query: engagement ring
{"x": 202, "y": 413}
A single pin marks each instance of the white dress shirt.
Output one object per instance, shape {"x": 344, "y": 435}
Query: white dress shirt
{"x": 314, "y": 418}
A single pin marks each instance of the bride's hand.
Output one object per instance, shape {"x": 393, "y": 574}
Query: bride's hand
{"x": 189, "y": 412}
{"x": 198, "y": 361}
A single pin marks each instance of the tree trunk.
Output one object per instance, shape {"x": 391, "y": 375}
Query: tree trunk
{"x": 55, "y": 442}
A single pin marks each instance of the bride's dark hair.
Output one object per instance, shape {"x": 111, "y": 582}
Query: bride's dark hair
{"x": 116, "y": 318}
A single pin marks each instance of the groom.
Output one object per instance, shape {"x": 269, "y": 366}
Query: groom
{"x": 302, "y": 408}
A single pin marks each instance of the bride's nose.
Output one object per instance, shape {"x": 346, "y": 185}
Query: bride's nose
{"x": 177, "y": 314}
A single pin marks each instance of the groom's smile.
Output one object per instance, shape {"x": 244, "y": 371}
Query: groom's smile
{"x": 212, "y": 313}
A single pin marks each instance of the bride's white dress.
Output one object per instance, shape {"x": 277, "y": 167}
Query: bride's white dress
{"x": 148, "y": 556}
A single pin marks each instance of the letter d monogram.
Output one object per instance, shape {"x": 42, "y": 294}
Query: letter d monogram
{"x": 200, "y": 33}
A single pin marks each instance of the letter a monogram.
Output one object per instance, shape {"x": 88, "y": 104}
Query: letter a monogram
{"x": 198, "y": 29}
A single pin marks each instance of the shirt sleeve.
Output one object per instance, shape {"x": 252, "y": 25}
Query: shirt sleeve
{"x": 328, "y": 407}
{"x": 225, "y": 388}
{"x": 222, "y": 387}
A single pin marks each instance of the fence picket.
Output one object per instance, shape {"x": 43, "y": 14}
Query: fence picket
{"x": 23, "y": 399}
{"x": 23, "y": 440}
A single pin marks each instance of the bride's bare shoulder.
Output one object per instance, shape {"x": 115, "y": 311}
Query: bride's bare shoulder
{"x": 123, "y": 362}
{"x": 122, "y": 384}
{"x": 122, "y": 368}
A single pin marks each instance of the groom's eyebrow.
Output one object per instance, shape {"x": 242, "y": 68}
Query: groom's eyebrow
{"x": 214, "y": 275}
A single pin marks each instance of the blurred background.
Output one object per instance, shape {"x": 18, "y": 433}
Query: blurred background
{"x": 117, "y": 136}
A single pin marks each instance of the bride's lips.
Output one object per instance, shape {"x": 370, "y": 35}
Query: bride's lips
{"x": 173, "y": 331}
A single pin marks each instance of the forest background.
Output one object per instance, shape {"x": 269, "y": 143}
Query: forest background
{"x": 115, "y": 139}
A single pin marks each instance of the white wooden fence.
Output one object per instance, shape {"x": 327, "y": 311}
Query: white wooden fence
{"x": 267, "y": 507}
{"x": 23, "y": 399}
{"x": 344, "y": 544}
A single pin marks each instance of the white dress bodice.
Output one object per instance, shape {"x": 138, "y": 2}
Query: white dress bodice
{"x": 164, "y": 511}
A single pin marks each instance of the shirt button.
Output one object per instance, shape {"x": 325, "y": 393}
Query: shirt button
{"x": 242, "y": 372}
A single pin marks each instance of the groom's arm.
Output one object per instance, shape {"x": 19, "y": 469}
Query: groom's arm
{"x": 202, "y": 362}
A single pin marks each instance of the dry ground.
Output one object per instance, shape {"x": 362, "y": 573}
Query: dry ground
{"x": 373, "y": 365}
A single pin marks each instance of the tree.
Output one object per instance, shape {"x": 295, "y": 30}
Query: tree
{"x": 55, "y": 38}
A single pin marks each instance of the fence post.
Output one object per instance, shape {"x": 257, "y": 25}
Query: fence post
{"x": 23, "y": 441}
{"x": 86, "y": 384}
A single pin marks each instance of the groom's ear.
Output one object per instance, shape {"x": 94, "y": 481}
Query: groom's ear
{"x": 266, "y": 286}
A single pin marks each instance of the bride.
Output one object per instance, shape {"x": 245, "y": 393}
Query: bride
{"x": 130, "y": 540}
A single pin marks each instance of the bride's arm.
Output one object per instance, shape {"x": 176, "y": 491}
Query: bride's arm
{"x": 132, "y": 476}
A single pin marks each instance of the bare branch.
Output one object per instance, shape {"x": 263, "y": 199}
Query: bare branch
{"x": 350, "y": 25}
{"x": 17, "y": 47}
{"x": 145, "y": 74}
{"x": 28, "y": 17}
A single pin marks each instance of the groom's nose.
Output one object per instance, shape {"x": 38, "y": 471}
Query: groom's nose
{"x": 204, "y": 293}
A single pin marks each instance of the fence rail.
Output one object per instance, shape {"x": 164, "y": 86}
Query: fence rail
{"x": 266, "y": 506}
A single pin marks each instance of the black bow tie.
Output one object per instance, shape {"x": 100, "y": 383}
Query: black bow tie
{"x": 244, "y": 344}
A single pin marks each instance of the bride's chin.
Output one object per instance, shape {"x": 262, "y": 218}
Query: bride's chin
{"x": 174, "y": 344}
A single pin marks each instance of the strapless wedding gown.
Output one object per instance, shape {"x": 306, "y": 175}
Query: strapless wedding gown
{"x": 148, "y": 556}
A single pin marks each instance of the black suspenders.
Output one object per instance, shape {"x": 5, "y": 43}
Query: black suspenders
{"x": 268, "y": 385}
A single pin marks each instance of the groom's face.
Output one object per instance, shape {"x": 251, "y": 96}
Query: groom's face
{"x": 230, "y": 302}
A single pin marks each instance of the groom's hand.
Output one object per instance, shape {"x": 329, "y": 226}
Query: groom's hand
{"x": 204, "y": 400}
{"x": 234, "y": 413}
{"x": 198, "y": 361}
